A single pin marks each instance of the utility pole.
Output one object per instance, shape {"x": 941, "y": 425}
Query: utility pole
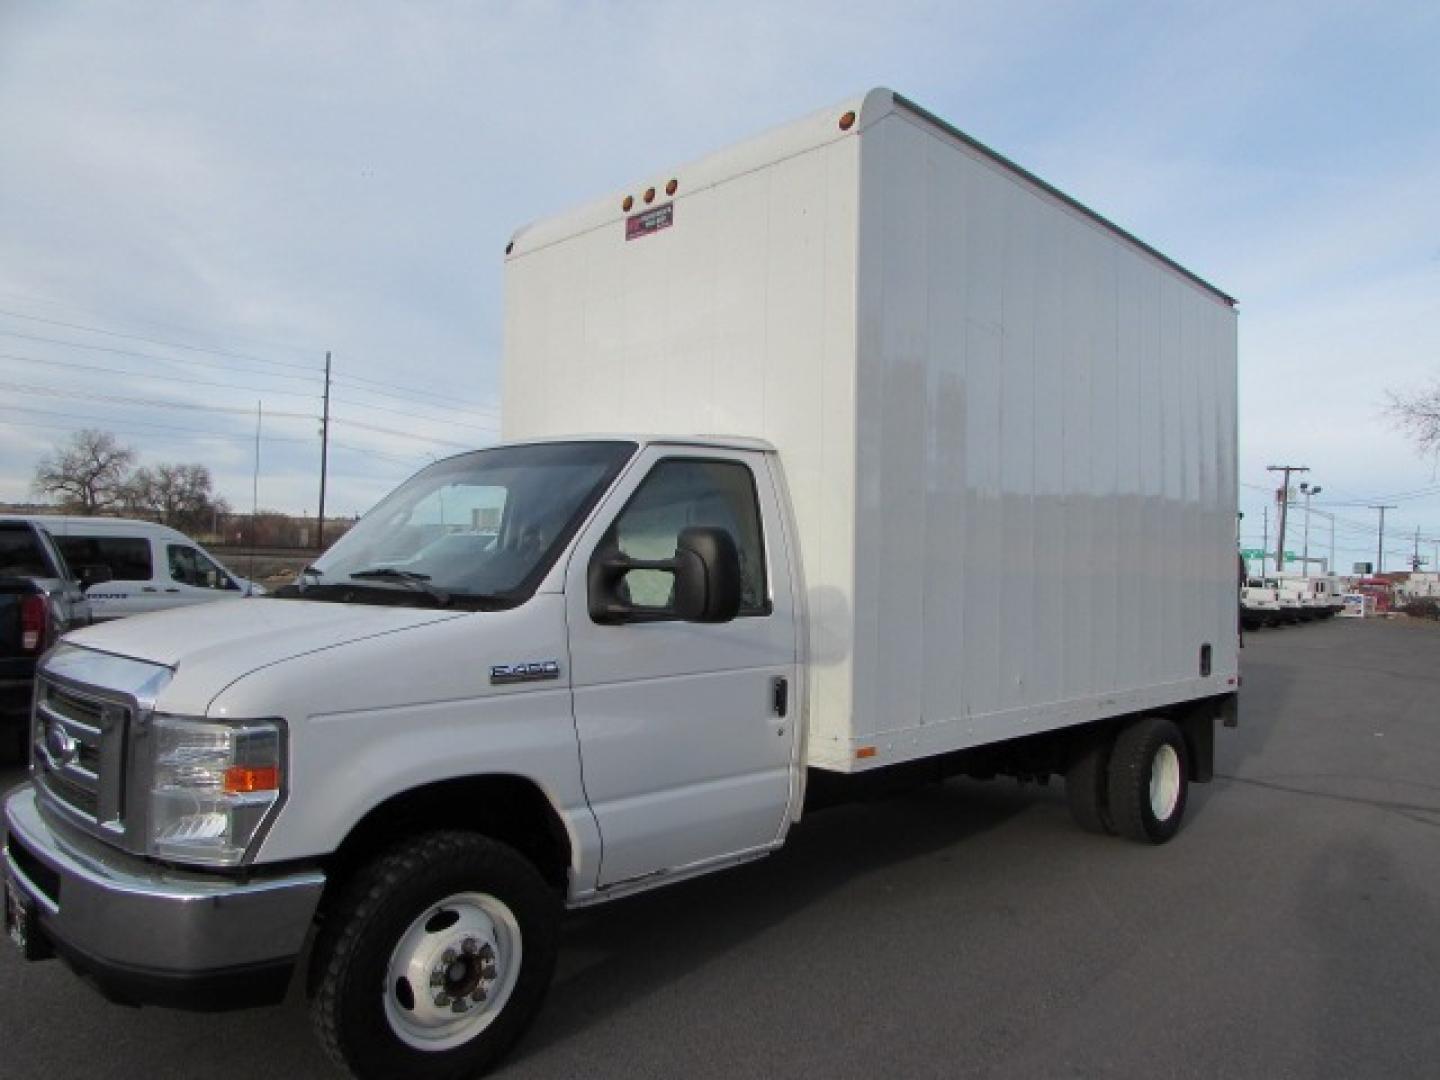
{"x": 324, "y": 454}
{"x": 1380, "y": 547}
{"x": 1264, "y": 537}
{"x": 1415, "y": 561}
{"x": 1284, "y": 506}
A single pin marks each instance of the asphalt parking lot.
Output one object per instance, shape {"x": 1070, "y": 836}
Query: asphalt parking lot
{"x": 1291, "y": 930}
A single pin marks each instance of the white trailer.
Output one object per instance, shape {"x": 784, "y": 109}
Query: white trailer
{"x": 1007, "y": 426}
{"x": 916, "y": 468}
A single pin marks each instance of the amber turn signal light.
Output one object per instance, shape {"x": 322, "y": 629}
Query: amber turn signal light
{"x": 847, "y": 121}
{"x": 627, "y": 203}
{"x": 241, "y": 779}
{"x": 671, "y": 187}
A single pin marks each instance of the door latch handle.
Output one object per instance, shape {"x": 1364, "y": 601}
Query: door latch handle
{"x": 780, "y": 695}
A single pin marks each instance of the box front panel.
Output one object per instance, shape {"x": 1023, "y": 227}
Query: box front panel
{"x": 735, "y": 318}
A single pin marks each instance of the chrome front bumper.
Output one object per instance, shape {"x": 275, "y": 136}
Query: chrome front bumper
{"x": 146, "y": 934}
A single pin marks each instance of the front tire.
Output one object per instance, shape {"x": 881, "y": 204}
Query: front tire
{"x": 435, "y": 959}
{"x": 1149, "y": 781}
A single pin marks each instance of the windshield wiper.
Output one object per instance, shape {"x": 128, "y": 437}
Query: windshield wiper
{"x": 417, "y": 582}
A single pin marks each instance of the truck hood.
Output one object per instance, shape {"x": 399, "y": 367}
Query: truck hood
{"x": 231, "y": 640}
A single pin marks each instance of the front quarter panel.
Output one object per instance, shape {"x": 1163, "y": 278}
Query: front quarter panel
{"x": 382, "y": 716}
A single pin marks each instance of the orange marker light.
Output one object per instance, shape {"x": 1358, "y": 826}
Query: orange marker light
{"x": 671, "y": 187}
{"x": 865, "y": 751}
{"x": 627, "y": 203}
{"x": 649, "y": 194}
{"x": 240, "y": 779}
{"x": 847, "y": 121}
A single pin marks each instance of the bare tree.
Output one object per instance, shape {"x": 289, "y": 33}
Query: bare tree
{"x": 180, "y": 495}
{"x": 1417, "y": 413}
{"x": 88, "y": 474}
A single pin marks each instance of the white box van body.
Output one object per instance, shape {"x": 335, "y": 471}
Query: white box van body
{"x": 153, "y": 567}
{"x": 914, "y": 467}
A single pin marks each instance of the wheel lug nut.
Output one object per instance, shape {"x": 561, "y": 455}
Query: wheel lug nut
{"x": 460, "y": 1005}
{"x": 448, "y": 956}
{"x": 437, "y": 978}
{"x": 486, "y": 952}
{"x": 479, "y": 994}
{"x": 488, "y": 971}
{"x": 469, "y": 945}
{"x": 442, "y": 1000}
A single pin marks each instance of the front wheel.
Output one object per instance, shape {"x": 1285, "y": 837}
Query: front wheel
{"x": 435, "y": 959}
{"x": 1148, "y": 781}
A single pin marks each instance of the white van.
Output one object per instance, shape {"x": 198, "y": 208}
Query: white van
{"x": 152, "y": 567}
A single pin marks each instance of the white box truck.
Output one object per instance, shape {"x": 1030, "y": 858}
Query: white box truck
{"x": 897, "y": 464}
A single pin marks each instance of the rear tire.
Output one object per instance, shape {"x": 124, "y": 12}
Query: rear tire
{"x": 435, "y": 959}
{"x": 1149, "y": 780}
{"x": 1086, "y": 784}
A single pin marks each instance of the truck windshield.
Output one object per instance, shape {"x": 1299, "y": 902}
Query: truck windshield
{"x": 473, "y": 531}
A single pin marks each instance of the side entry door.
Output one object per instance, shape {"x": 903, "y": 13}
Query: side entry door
{"x": 686, "y": 729}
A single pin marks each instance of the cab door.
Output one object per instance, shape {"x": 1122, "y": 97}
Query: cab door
{"x": 687, "y": 732}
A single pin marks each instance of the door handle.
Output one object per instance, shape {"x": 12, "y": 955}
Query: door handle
{"x": 148, "y": 588}
{"x": 172, "y": 590}
{"x": 780, "y": 695}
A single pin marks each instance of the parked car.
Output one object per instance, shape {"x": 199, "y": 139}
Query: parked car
{"x": 40, "y": 599}
{"x": 152, "y": 567}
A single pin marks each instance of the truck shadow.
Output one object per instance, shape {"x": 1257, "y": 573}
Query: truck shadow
{"x": 614, "y": 955}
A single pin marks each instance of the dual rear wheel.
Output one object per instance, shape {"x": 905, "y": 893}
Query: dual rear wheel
{"x": 1134, "y": 785}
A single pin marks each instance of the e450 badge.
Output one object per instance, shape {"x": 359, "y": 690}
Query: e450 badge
{"x": 529, "y": 671}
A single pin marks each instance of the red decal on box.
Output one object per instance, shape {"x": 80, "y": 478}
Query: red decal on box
{"x": 649, "y": 221}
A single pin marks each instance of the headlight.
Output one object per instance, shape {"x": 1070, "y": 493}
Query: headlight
{"x": 214, "y": 784}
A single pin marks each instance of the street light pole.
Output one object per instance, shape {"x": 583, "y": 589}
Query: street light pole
{"x": 1308, "y": 489}
{"x": 1380, "y": 545}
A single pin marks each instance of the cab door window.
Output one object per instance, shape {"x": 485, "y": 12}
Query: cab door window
{"x": 680, "y": 493}
{"x": 191, "y": 567}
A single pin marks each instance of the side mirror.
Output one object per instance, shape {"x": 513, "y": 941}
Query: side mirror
{"x": 707, "y": 589}
{"x": 707, "y": 575}
{"x": 94, "y": 575}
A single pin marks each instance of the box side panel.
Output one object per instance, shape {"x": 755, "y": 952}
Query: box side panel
{"x": 1045, "y": 461}
{"x": 736, "y": 319}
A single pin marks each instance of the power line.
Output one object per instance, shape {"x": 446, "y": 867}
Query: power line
{"x": 185, "y": 328}
{"x": 414, "y": 416}
{"x": 402, "y": 434}
{"x": 125, "y": 430}
{"x": 153, "y": 403}
{"x": 204, "y": 364}
{"x": 444, "y": 399}
{"x": 157, "y": 341}
{"x": 162, "y": 378}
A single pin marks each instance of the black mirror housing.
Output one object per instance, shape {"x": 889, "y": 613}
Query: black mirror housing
{"x": 706, "y": 567}
{"x": 707, "y": 575}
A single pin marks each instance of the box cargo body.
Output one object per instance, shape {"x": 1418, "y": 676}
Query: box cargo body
{"x": 1008, "y": 427}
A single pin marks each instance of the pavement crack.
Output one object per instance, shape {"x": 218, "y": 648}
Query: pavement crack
{"x": 1408, "y": 809}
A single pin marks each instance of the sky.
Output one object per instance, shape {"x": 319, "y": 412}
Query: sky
{"x": 199, "y": 200}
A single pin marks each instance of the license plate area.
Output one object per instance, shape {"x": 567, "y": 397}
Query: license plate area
{"x": 22, "y": 922}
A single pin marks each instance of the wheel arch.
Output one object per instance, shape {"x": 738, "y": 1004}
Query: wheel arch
{"x": 510, "y": 808}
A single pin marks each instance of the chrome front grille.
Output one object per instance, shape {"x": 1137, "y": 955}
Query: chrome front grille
{"x": 80, "y": 752}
